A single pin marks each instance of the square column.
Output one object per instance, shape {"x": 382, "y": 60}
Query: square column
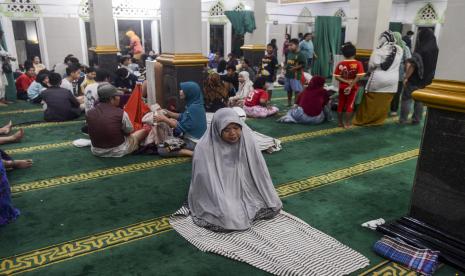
{"x": 102, "y": 30}
{"x": 437, "y": 209}
{"x": 182, "y": 59}
{"x": 255, "y": 43}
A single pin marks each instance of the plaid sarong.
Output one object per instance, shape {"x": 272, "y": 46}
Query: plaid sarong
{"x": 424, "y": 261}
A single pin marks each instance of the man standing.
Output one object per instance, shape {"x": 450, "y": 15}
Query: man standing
{"x": 296, "y": 62}
{"x": 408, "y": 39}
{"x": 306, "y": 47}
{"x": 269, "y": 64}
{"x": 110, "y": 129}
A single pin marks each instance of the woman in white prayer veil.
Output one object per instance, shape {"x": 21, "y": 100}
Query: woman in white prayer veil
{"x": 231, "y": 186}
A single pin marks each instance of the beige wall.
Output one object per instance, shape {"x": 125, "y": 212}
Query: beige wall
{"x": 63, "y": 37}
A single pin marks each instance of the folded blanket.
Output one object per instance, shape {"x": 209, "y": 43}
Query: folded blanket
{"x": 424, "y": 261}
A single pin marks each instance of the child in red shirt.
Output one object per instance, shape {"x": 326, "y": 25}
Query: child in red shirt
{"x": 348, "y": 72}
{"x": 23, "y": 82}
{"x": 256, "y": 103}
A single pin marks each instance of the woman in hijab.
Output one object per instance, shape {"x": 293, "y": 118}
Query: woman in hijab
{"x": 310, "y": 105}
{"x": 245, "y": 88}
{"x": 231, "y": 186}
{"x": 382, "y": 85}
{"x": 215, "y": 92}
{"x": 420, "y": 70}
{"x": 407, "y": 54}
{"x": 135, "y": 45}
{"x": 192, "y": 123}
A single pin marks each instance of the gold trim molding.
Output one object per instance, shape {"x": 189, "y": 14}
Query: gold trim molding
{"x": 364, "y": 53}
{"x": 182, "y": 59}
{"x": 254, "y": 47}
{"x": 443, "y": 94}
{"x": 105, "y": 49}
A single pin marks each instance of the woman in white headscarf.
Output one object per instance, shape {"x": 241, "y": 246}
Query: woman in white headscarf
{"x": 382, "y": 85}
{"x": 245, "y": 88}
{"x": 231, "y": 186}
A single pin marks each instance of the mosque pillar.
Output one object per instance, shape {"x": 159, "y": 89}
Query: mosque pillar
{"x": 182, "y": 59}
{"x": 438, "y": 196}
{"x": 102, "y": 29}
{"x": 368, "y": 19}
{"x": 255, "y": 43}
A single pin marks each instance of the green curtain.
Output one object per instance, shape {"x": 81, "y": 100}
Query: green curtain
{"x": 327, "y": 42}
{"x": 395, "y": 26}
{"x": 242, "y": 21}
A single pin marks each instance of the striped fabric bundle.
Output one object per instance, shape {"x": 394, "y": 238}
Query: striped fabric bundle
{"x": 284, "y": 245}
{"x": 424, "y": 261}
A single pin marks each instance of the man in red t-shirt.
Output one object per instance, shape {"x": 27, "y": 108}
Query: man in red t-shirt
{"x": 23, "y": 82}
{"x": 348, "y": 72}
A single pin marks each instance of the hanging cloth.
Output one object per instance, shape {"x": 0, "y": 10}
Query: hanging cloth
{"x": 327, "y": 44}
{"x": 136, "y": 108}
{"x": 242, "y": 21}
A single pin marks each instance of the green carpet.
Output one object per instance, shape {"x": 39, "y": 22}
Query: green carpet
{"x": 108, "y": 216}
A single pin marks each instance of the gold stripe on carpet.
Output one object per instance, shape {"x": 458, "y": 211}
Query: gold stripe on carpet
{"x": 76, "y": 248}
{"x": 48, "y": 124}
{"x": 22, "y": 111}
{"x": 102, "y": 173}
{"x": 337, "y": 175}
{"x": 388, "y": 268}
{"x": 39, "y": 148}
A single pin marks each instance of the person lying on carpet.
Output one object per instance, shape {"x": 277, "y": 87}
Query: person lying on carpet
{"x": 231, "y": 186}
{"x": 5, "y": 130}
{"x": 311, "y": 105}
{"x": 8, "y": 213}
{"x": 245, "y": 88}
{"x": 191, "y": 124}
{"x": 110, "y": 129}
{"x": 60, "y": 103}
{"x": 257, "y": 105}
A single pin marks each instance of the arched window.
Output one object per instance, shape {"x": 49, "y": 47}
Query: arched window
{"x": 217, "y": 9}
{"x": 84, "y": 8}
{"x": 305, "y": 16}
{"x": 427, "y": 15}
{"x": 340, "y": 13}
{"x": 21, "y": 8}
{"x": 240, "y": 7}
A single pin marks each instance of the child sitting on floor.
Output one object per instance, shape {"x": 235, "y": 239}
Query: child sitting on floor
{"x": 348, "y": 72}
{"x": 256, "y": 105}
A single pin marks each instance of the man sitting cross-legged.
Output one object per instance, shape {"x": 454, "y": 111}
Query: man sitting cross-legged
{"x": 110, "y": 129}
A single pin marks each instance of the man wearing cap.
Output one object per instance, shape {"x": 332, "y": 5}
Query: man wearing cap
{"x": 61, "y": 105}
{"x": 110, "y": 128}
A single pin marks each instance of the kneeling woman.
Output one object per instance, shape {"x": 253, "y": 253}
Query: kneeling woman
{"x": 192, "y": 123}
{"x": 311, "y": 105}
{"x": 231, "y": 186}
{"x": 256, "y": 105}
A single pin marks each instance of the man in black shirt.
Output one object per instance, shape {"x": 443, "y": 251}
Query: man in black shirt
{"x": 408, "y": 39}
{"x": 61, "y": 103}
{"x": 231, "y": 78}
{"x": 268, "y": 68}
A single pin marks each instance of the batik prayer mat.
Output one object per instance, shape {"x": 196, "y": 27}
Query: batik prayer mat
{"x": 284, "y": 245}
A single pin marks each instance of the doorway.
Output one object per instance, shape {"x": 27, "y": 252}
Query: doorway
{"x": 26, "y": 40}
{"x": 217, "y": 39}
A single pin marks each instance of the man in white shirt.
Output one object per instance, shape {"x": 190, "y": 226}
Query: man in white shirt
{"x": 90, "y": 93}
{"x": 73, "y": 72}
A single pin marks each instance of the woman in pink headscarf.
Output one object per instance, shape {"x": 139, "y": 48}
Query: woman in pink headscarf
{"x": 135, "y": 45}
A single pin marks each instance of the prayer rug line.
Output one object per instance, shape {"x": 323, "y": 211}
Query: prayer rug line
{"x": 94, "y": 243}
{"x": 284, "y": 139}
{"x": 64, "y": 180}
{"x": 22, "y": 111}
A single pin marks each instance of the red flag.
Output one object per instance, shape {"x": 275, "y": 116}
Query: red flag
{"x": 136, "y": 108}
